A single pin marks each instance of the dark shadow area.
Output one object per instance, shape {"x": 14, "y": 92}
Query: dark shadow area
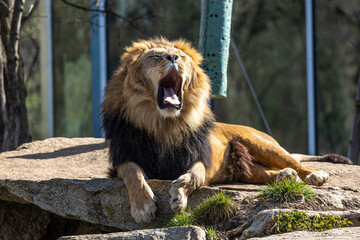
{"x": 65, "y": 152}
{"x": 27, "y": 221}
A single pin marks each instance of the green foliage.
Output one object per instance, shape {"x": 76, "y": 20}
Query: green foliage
{"x": 329, "y": 222}
{"x": 215, "y": 209}
{"x": 77, "y": 120}
{"x": 279, "y": 30}
{"x": 183, "y": 218}
{"x": 292, "y": 222}
{"x": 286, "y": 190}
{"x": 212, "y": 210}
{"x": 300, "y": 221}
{"x": 33, "y": 105}
{"x": 211, "y": 233}
{"x": 269, "y": 35}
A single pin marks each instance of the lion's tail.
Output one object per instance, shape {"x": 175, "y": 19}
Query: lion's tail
{"x": 333, "y": 158}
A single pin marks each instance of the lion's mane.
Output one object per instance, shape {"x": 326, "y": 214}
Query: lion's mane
{"x": 165, "y": 148}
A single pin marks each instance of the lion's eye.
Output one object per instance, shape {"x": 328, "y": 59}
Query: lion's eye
{"x": 156, "y": 56}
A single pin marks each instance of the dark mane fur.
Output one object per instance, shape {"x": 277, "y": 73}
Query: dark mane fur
{"x": 240, "y": 160}
{"x": 128, "y": 143}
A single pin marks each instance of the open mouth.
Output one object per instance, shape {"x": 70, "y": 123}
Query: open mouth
{"x": 169, "y": 93}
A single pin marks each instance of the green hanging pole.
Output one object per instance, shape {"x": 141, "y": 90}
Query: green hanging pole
{"x": 214, "y": 42}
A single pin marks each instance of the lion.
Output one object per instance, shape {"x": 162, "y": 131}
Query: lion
{"x": 159, "y": 125}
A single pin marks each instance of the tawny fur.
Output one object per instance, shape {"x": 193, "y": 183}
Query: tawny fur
{"x": 183, "y": 143}
{"x": 130, "y": 92}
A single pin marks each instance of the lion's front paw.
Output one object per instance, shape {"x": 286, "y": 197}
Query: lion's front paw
{"x": 143, "y": 205}
{"x": 178, "y": 196}
{"x": 317, "y": 178}
{"x": 288, "y": 173}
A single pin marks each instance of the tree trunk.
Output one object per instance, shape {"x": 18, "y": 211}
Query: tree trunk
{"x": 354, "y": 142}
{"x": 13, "y": 121}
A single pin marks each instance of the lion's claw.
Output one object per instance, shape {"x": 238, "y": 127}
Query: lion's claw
{"x": 178, "y": 203}
{"x": 288, "y": 173}
{"x": 144, "y": 213}
{"x": 178, "y": 197}
{"x": 175, "y": 199}
{"x": 317, "y": 178}
{"x": 142, "y": 203}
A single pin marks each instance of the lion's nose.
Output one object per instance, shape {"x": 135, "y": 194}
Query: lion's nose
{"x": 172, "y": 57}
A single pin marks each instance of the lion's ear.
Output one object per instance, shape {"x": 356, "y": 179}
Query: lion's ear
{"x": 133, "y": 52}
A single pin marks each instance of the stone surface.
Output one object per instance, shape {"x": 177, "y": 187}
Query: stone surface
{"x": 264, "y": 221}
{"x": 333, "y": 234}
{"x": 56, "y": 158}
{"x": 174, "y": 233}
{"x": 67, "y": 177}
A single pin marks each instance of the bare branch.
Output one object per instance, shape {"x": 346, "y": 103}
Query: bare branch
{"x": 30, "y": 12}
{"x": 357, "y": 10}
{"x": 3, "y": 116}
{"x": 129, "y": 21}
{"x": 4, "y": 23}
{"x": 348, "y": 19}
{"x": 354, "y": 141}
{"x": 13, "y": 64}
{"x": 35, "y": 59}
{"x": 346, "y": 35}
{"x": 4, "y": 5}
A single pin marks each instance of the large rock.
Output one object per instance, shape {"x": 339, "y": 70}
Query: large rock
{"x": 333, "y": 234}
{"x": 173, "y": 233}
{"x": 68, "y": 178}
{"x": 265, "y": 220}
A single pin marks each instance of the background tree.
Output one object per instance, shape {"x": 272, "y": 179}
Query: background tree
{"x": 353, "y": 38}
{"x": 13, "y": 117}
{"x": 354, "y": 141}
{"x": 270, "y": 36}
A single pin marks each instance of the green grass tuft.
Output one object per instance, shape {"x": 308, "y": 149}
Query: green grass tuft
{"x": 214, "y": 209}
{"x": 286, "y": 190}
{"x": 300, "y": 221}
{"x": 211, "y": 233}
{"x": 183, "y": 218}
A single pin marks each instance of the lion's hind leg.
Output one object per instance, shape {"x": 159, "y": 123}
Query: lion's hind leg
{"x": 283, "y": 160}
{"x": 242, "y": 167}
{"x": 141, "y": 196}
{"x": 275, "y": 157}
{"x": 182, "y": 187}
{"x": 266, "y": 164}
{"x": 261, "y": 175}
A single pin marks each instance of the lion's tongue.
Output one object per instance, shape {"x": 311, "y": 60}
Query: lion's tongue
{"x": 170, "y": 96}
